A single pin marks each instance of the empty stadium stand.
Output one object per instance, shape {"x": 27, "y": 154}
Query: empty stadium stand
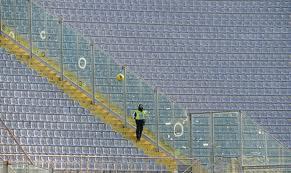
{"x": 215, "y": 88}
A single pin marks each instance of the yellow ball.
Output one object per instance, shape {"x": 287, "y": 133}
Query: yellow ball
{"x": 119, "y": 77}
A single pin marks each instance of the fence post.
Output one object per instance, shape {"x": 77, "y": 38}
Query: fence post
{"x": 240, "y": 141}
{"x": 211, "y": 143}
{"x": 266, "y": 146}
{"x": 157, "y": 116}
{"x": 190, "y": 139}
{"x": 30, "y": 28}
{"x": 61, "y": 22}
{"x": 124, "y": 95}
{"x": 1, "y": 22}
{"x": 93, "y": 71}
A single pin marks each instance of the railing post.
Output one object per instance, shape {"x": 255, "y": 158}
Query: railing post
{"x": 157, "y": 116}
{"x": 81, "y": 163}
{"x": 87, "y": 164}
{"x": 1, "y": 22}
{"x": 172, "y": 117}
{"x": 240, "y": 141}
{"x": 266, "y": 147}
{"x": 30, "y": 28}
{"x": 61, "y": 22}
{"x": 124, "y": 95}
{"x": 77, "y": 54}
{"x": 190, "y": 136}
{"x": 93, "y": 72}
{"x": 282, "y": 159}
{"x": 5, "y": 166}
{"x": 211, "y": 143}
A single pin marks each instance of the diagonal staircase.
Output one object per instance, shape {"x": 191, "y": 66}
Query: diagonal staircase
{"x": 109, "y": 114}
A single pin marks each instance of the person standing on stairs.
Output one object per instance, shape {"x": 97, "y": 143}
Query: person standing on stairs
{"x": 139, "y": 115}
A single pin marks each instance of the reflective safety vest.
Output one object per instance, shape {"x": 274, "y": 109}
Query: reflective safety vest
{"x": 138, "y": 115}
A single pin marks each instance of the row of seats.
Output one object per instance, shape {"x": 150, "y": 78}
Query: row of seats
{"x": 213, "y": 40}
{"x": 90, "y": 164}
{"x": 54, "y": 147}
{"x": 244, "y": 42}
{"x": 280, "y": 3}
{"x": 188, "y": 57}
{"x": 39, "y": 102}
{"x": 111, "y": 27}
{"x": 37, "y": 94}
{"x": 62, "y": 129}
{"x": 214, "y": 66}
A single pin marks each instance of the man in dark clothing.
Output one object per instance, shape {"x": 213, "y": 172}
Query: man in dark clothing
{"x": 139, "y": 116}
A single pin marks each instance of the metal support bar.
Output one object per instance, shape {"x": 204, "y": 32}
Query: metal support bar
{"x": 93, "y": 72}
{"x": 212, "y": 143}
{"x": 1, "y": 22}
{"x": 190, "y": 139}
{"x": 266, "y": 147}
{"x": 240, "y": 127}
{"x": 16, "y": 141}
{"x": 157, "y": 117}
{"x": 281, "y": 156}
{"x": 61, "y": 22}
{"x": 124, "y": 95}
{"x": 77, "y": 54}
{"x": 30, "y": 28}
{"x": 87, "y": 165}
{"x": 173, "y": 117}
{"x": 190, "y": 136}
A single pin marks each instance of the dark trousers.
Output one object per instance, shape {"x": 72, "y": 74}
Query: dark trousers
{"x": 139, "y": 128}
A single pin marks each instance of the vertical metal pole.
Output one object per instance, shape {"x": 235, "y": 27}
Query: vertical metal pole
{"x": 1, "y": 22}
{"x": 240, "y": 141}
{"x": 5, "y": 167}
{"x": 81, "y": 163}
{"x": 266, "y": 147}
{"x": 61, "y": 22}
{"x": 14, "y": 19}
{"x": 282, "y": 158}
{"x": 124, "y": 95}
{"x": 77, "y": 54}
{"x": 173, "y": 115}
{"x": 47, "y": 37}
{"x": 190, "y": 138}
{"x": 30, "y": 28}
{"x": 93, "y": 72}
{"x": 157, "y": 117}
{"x": 87, "y": 165}
{"x": 27, "y": 168}
{"x": 109, "y": 82}
{"x": 211, "y": 143}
